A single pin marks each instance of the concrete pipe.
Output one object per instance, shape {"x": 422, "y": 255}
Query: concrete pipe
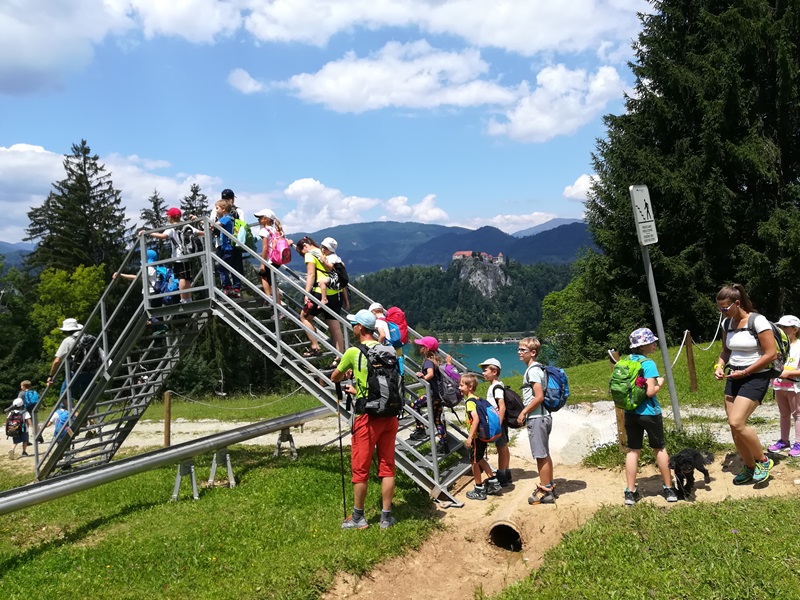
{"x": 509, "y": 530}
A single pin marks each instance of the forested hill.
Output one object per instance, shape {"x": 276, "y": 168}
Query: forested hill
{"x": 443, "y": 300}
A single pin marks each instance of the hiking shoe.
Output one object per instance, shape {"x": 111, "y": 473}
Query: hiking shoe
{"x": 795, "y": 451}
{"x": 778, "y": 446}
{"x": 236, "y": 293}
{"x": 419, "y": 435}
{"x": 670, "y": 494}
{"x": 493, "y": 487}
{"x": 443, "y": 448}
{"x": 508, "y": 476}
{"x": 744, "y": 476}
{"x": 762, "y": 470}
{"x": 386, "y": 523}
{"x": 478, "y": 493}
{"x": 11, "y": 454}
{"x": 631, "y": 497}
{"x": 351, "y": 523}
{"x": 39, "y": 439}
{"x": 501, "y": 478}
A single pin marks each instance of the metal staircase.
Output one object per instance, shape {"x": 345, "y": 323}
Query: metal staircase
{"x": 143, "y": 344}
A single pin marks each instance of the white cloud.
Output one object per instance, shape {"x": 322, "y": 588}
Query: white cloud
{"x": 241, "y": 80}
{"x": 193, "y": 20}
{"x": 509, "y": 223}
{"x": 425, "y": 211}
{"x": 563, "y": 101}
{"x": 412, "y": 75}
{"x": 317, "y": 206}
{"x": 580, "y": 189}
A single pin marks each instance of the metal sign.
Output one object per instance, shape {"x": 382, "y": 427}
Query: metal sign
{"x": 643, "y": 215}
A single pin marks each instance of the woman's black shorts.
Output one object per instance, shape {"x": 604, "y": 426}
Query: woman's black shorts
{"x": 753, "y": 386}
{"x": 334, "y": 304}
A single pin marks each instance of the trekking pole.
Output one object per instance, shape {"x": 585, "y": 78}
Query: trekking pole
{"x": 341, "y": 449}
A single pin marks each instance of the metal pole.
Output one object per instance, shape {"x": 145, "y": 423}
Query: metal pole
{"x": 662, "y": 340}
{"x": 167, "y": 418}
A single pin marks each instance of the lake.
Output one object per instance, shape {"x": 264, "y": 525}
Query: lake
{"x": 473, "y": 354}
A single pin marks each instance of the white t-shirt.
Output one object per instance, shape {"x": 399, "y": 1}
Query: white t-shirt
{"x": 66, "y": 346}
{"x": 333, "y": 259}
{"x": 533, "y": 374}
{"x": 174, "y": 238}
{"x": 382, "y": 326}
{"x": 495, "y": 393}
{"x": 791, "y": 364}
{"x": 743, "y": 344}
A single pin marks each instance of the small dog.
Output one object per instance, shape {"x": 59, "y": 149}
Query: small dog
{"x": 684, "y": 464}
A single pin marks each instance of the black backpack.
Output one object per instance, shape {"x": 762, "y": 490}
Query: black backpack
{"x": 337, "y": 277}
{"x": 514, "y": 407}
{"x": 190, "y": 242}
{"x": 15, "y": 423}
{"x": 83, "y": 347}
{"x": 384, "y": 383}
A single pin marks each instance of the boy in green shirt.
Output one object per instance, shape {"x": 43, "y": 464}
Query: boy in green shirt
{"x": 468, "y": 385}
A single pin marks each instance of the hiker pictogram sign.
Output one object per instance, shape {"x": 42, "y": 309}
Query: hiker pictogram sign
{"x": 643, "y": 215}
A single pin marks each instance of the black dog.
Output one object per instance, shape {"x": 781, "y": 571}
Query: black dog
{"x": 684, "y": 464}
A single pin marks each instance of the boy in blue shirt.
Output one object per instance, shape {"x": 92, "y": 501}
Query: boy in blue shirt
{"x": 646, "y": 417}
{"x": 468, "y": 384}
{"x": 231, "y": 285}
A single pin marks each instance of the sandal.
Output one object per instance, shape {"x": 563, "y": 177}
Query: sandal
{"x": 312, "y": 352}
{"x": 543, "y": 495}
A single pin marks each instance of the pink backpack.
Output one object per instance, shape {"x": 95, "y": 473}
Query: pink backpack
{"x": 280, "y": 253}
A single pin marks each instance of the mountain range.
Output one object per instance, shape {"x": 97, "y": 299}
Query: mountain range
{"x": 369, "y": 247}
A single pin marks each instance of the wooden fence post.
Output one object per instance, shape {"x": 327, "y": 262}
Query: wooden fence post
{"x": 690, "y": 361}
{"x": 622, "y": 437}
{"x": 167, "y": 417}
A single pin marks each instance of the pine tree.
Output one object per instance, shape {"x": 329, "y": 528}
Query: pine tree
{"x": 196, "y": 203}
{"x": 154, "y": 217}
{"x": 82, "y": 221}
{"x": 712, "y": 129}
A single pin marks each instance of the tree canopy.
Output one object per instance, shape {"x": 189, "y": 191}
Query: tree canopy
{"x": 711, "y": 128}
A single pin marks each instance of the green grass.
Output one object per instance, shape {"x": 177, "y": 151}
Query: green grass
{"x": 276, "y": 535}
{"x": 733, "y": 550}
{"x": 232, "y": 408}
{"x": 607, "y": 456}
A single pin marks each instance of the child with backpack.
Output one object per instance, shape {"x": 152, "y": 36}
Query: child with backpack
{"x": 787, "y": 389}
{"x": 329, "y": 260}
{"x": 182, "y": 268}
{"x": 646, "y": 417}
{"x": 228, "y": 254}
{"x": 381, "y": 326}
{"x": 275, "y": 248}
{"x": 429, "y": 350}
{"x": 18, "y": 423}
{"x": 60, "y": 422}
{"x": 475, "y": 443}
{"x": 495, "y": 395}
{"x": 537, "y": 419}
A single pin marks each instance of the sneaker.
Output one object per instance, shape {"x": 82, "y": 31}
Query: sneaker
{"x": 501, "y": 478}
{"x": 508, "y": 476}
{"x": 631, "y": 497}
{"x": 478, "y": 493}
{"x": 744, "y": 476}
{"x": 236, "y": 293}
{"x": 419, "y": 435}
{"x": 778, "y": 446}
{"x": 762, "y": 470}
{"x": 386, "y": 523}
{"x": 352, "y": 523}
{"x": 443, "y": 448}
{"x": 670, "y": 495}
{"x": 493, "y": 487}
{"x": 39, "y": 439}
{"x": 795, "y": 451}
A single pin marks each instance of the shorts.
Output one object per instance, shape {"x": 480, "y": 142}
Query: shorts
{"x": 636, "y": 425}
{"x": 334, "y": 304}
{"x": 22, "y": 438}
{"x": 753, "y": 386}
{"x": 370, "y": 432}
{"x": 539, "y": 435}
{"x": 183, "y": 270}
{"x": 477, "y": 452}
{"x": 502, "y": 441}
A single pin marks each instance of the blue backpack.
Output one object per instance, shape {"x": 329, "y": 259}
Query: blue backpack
{"x": 489, "y": 426}
{"x": 31, "y": 399}
{"x": 61, "y": 423}
{"x": 395, "y": 337}
{"x": 166, "y": 282}
{"x": 556, "y": 392}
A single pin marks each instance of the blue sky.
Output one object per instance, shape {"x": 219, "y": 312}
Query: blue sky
{"x": 457, "y": 112}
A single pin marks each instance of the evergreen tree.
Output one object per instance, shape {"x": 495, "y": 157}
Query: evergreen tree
{"x": 196, "y": 203}
{"x": 712, "y": 129}
{"x": 82, "y": 221}
{"x": 155, "y": 217}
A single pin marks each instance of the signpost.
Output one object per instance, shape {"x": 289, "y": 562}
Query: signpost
{"x": 646, "y": 232}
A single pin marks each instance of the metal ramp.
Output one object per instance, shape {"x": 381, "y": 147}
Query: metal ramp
{"x": 143, "y": 343}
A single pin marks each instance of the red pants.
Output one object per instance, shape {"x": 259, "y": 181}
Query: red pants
{"x": 370, "y": 432}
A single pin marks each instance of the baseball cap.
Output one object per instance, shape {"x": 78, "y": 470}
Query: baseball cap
{"x": 363, "y": 318}
{"x": 789, "y": 321}
{"x": 429, "y": 342}
{"x": 376, "y": 306}
{"x": 17, "y": 403}
{"x": 227, "y": 194}
{"x": 330, "y": 243}
{"x": 490, "y": 362}
{"x": 642, "y": 337}
{"x": 174, "y": 212}
{"x": 151, "y": 255}
{"x": 265, "y": 212}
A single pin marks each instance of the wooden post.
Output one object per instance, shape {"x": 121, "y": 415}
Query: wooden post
{"x": 622, "y": 437}
{"x": 167, "y": 417}
{"x": 690, "y": 362}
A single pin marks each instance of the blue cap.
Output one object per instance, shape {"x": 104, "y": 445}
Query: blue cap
{"x": 363, "y": 318}
{"x": 152, "y": 256}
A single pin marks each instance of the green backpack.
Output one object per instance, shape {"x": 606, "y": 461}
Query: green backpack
{"x": 241, "y": 231}
{"x": 628, "y": 385}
